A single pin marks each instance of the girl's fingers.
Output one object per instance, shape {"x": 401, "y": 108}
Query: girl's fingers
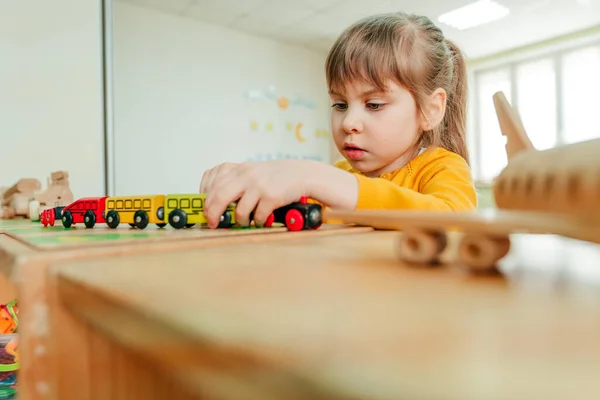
{"x": 262, "y": 211}
{"x": 224, "y": 192}
{"x": 245, "y": 207}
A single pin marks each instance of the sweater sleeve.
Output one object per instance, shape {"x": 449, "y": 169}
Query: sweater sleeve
{"x": 445, "y": 184}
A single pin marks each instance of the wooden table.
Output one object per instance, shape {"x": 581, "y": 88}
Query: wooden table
{"x": 329, "y": 317}
{"x": 27, "y": 250}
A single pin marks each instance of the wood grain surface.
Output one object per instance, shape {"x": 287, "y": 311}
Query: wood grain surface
{"x": 339, "y": 317}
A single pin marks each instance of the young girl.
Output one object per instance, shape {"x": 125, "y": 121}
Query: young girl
{"x": 398, "y": 92}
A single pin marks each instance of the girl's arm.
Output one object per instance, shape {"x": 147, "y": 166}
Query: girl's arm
{"x": 331, "y": 186}
{"x": 446, "y": 184}
{"x": 447, "y": 191}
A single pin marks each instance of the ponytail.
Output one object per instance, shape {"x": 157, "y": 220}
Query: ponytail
{"x": 453, "y": 135}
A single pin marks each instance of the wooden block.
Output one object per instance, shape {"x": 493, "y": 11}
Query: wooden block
{"x": 7, "y": 212}
{"x": 59, "y": 176}
{"x": 20, "y": 203}
{"x": 26, "y": 185}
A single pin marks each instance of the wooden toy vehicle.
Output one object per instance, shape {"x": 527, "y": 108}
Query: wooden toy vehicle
{"x": 298, "y": 216}
{"x": 137, "y": 211}
{"x": 551, "y": 191}
{"x": 88, "y": 210}
{"x": 186, "y": 210}
{"x": 49, "y": 215}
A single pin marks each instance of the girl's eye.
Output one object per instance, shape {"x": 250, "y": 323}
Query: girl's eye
{"x": 374, "y": 106}
{"x": 339, "y": 106}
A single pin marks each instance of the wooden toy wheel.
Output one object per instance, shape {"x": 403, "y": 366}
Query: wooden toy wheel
{"x": 480, "y": 253}
{"x": 89, "y": 219}
{"x": 112, "y": 219}
{"x": 314, "y": 218}
{"x": 225, "y": 220}
{"x": 141, "y": 219}
{"x": 294, "y": 220}
{"x": 422, "y": 247}
{"x": 67, "y": 219}
{"x": 177, "y": 218}
{"x": 270, "y": 220}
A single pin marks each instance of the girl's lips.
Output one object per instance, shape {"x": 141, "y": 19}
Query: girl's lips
{"x": 354, "y": 153}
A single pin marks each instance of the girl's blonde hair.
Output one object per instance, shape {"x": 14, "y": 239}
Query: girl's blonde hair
{"x": 412, "y": 51}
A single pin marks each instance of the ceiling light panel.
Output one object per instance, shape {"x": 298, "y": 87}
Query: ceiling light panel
{"x": 475, "y": 14}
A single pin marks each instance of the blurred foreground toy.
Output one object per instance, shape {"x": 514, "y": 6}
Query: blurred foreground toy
{"x": 9, "y": 319}
{"x": 9, "y": 365}
{"x": 57, "y": 195}
{"x": 15, "y": 199}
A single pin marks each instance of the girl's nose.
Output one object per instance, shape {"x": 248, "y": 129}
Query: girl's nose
{"x": 352, "y": 123}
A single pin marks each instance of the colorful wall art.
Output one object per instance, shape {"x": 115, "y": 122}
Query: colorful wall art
{"x": 286, "y": 124}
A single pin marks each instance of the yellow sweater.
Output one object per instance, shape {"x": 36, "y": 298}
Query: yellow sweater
{"x": 437, "y": 179}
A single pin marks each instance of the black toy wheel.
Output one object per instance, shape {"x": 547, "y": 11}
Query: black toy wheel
{"x": 314, "y": 218}
{"x": 67, "y": 218}
{"x": 140, "y": 219}
{"x": 112, "y": 219}
{"x": 89, "y": 219}
{"x": 161, "y": 225}
{"x": 294, "y": 220}
{"x": 177, "y": 218}
{"x": 225, "y": 220}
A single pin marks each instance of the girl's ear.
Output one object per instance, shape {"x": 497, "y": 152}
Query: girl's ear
{"x": 435, "y": 109}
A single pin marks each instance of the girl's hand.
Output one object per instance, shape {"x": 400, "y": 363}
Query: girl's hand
{"x": 258, "y": 187}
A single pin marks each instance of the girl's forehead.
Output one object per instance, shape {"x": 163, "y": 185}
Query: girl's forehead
{"x": 361, "y": 87}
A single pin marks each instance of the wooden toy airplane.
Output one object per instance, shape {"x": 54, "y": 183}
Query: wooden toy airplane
{"x": 551, "y": 191}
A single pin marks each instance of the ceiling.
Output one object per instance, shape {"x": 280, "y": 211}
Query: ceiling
{"x": 316, "y": 23}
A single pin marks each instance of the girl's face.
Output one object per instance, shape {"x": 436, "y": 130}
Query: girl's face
{"x": 375, "y": 131}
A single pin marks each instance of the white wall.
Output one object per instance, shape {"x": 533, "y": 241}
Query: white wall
{"x": 183, "y": 100}
{"x": 51, "y": 115}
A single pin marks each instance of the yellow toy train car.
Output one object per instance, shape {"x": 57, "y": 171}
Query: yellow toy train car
{"x": 137, "y": 211}
{"x": 186, "y": 210}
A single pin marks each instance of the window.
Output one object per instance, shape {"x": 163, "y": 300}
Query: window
{"x": 536, "y": 101}
{"x": 555, "y": 96}
{"x": 580, "y": 88}
{"x": 490, "y": 151}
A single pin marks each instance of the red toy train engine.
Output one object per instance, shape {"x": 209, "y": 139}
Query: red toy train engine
{"x": 88, "y": 210}
{"x": 297, "y": 216}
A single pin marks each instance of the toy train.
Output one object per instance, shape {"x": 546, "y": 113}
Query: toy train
{"x": 178, "y": 210}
